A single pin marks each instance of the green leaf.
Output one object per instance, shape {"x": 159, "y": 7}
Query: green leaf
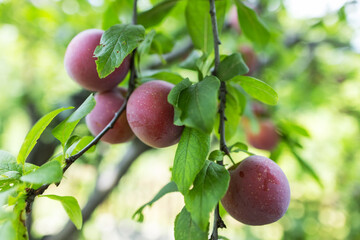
{"x": 71, "y": 207}
{"x": 232, "y": 66}
{"x": 216, "y": 155}
{"x": 186, "y": 228}
{"x": 251, "y": 25}
{"x": 307, "y": 167}
{"x": 168, "y": 188}
{"x": 50, "y": 172}
{"x": 144, "y": 46}
{"x": 116, "y": 43}
{"x": 170, "y": 77}
{"x": 79, "y": 145}
{"x": 198, "y": 22}
{"x": 238, "y": 146}
{"x": 110, "y": 16}
{"x": 34, "y": 134}
{"x": 291, "y": 128}
{"x": 8, "y": 163}
{"x": 257, "y": 89}
{"x": 173, "y": 99}
{"x": 161, "y": 44}
{"x": 198, "y": 105}
{"x": 155, "y": 15}
{"x": 190, "y": 156}
{"x": 7, "y": 230}
{"x": 233, "y": 111}
{"x": 63, "y": 131}
{"x": 210, "y": 186}
{"x": 191, "y": 61}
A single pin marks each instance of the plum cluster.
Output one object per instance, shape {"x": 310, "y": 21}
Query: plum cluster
{"x": 148, "y": 114}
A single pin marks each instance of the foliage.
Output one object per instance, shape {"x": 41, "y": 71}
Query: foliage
{"x": 294, "y": 60}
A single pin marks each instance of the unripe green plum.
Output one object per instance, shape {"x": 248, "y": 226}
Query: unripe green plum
{"x": 150, "y": 115}
{"x": 258, "y": 193}
{"x": 266, "y": 138}
{"x": 80, "y": 63}
{"x": 107, "y": 104}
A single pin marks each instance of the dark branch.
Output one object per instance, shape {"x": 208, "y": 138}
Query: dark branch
{"x": 31, "y": 193}
{"x": 101, "y": 190}
{"x": 218, "y": 222}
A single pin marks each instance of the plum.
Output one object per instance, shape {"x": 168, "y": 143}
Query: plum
{"x": 258, "y": 193}
{"x": 150, "y": 115}
{"x": 267, "y": 138}
{"x": 80, "y": 63}
{"x": 107, "y": 104}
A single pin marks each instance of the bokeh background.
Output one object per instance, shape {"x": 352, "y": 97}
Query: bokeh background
{"x": 312, "y": 61}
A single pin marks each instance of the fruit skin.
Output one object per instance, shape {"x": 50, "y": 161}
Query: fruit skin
{"x": 258, "y": 193}
{"x": 80, "y": 63}
{"x": 107, "y": 104}
{"x": 250, "y": 58}
{"x": 267, "y": 138}
{"x": 150, "y": 115}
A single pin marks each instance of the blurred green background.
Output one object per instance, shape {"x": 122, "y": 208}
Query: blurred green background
{"x": 312, "y": 61}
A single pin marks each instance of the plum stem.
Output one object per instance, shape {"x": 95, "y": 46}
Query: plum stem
{"x": 218, "y": 222}
{"x": 31, "y": 194}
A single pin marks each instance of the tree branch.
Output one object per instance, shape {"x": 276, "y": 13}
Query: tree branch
{"x": 103, "y": 188}
{"x": 32, "y": 193}
{"x": 218, "y": 222}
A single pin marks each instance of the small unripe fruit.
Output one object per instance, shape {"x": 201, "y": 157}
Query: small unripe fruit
{"x": 150, "y": 115}
{"x": 107, "y": 104}
{"x": 80, "y": 63}
{"x": 267, "y": 138}
{"x": 258, "y": 193}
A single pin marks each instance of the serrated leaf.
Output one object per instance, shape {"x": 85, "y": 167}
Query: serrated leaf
{"x": 71, "y": 207}
{"x": 50, "y": 172}
{"x": 232, "y": 66}
{"x": 210, "y": 186}
{"x": 257, "y": 89}
{"x": 216, "y": 155}
{"x": 186, "y": 228}
{"x": 198, "y": 105}
{"x": 168, "y": 188}
{"x": 170, "y": 77}
{"x": 63, "y": 131}
{"x": 251, "y": 25}
{"x": 34, "y": 134}
{"x": 155, "y": 15}
{"x": 116, "y": 43}
{"x": 173, "y": 99}
{"x": 190, "y": 156}
{"x": 198, "y": 22}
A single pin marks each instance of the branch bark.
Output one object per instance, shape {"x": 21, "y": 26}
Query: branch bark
{"x": 101, "y": 190}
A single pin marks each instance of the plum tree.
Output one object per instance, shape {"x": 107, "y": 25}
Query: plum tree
{"x": 258, "y": 192}
{"x": 107, "y": 104}
{"x": 150, "y": 115}
{"x": 266, "y": 138}
{"x": 80, "y": 63}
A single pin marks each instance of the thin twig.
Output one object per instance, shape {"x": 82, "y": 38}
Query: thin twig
{"x": 101, "y": 191}
{"x": 32, "y": 193}
{"x": 218, "y": 222}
